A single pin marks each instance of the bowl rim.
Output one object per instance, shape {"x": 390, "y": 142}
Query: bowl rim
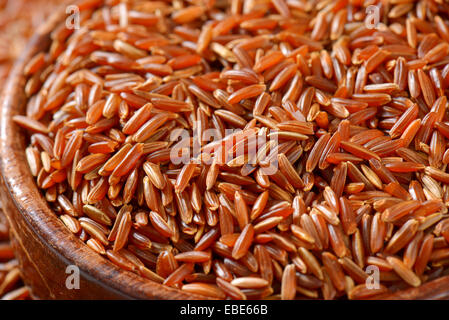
{"x": 32, "y": 206}
{"x": 66, "y": 246}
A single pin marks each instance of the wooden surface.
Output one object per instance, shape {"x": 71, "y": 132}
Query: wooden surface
{"x": 45, "y": 247}
{"x": 437, "y": 289}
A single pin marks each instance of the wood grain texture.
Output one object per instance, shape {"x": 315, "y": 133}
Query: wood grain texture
{"x": 437, "y": 289}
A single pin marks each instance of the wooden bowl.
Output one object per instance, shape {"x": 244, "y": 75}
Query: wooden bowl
{"x": 45, "y": 247}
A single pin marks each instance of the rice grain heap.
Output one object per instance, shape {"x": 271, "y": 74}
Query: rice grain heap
{"x": 11, "y": 284}
{"x": 350, "y": 176}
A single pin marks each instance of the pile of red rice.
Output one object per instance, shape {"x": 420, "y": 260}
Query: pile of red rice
{"x": 354, "y": 115}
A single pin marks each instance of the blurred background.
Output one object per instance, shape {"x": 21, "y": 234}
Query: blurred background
{"x": 18, "y": 20}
